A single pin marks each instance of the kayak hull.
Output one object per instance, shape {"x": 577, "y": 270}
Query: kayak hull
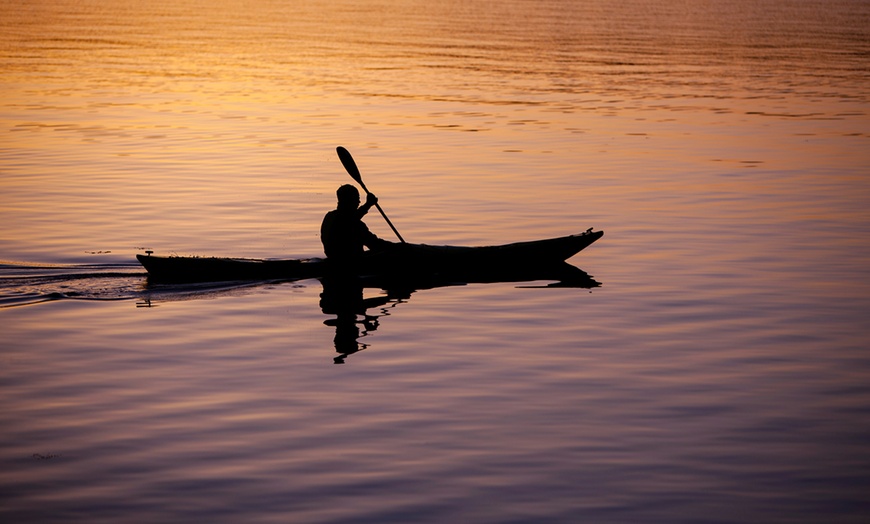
{"x": 410, "y": 261}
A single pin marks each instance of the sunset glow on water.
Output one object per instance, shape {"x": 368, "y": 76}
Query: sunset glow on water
{"x": 719, "y": 373}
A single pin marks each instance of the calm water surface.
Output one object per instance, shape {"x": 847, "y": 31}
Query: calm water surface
{"x": 720, "y": 373}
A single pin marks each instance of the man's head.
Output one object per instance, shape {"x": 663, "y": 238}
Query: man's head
{"x": 348, "y": 197}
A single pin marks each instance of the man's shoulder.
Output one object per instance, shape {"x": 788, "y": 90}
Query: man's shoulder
{"x": 335, "y": 214}
{"x": 339, "y": 214}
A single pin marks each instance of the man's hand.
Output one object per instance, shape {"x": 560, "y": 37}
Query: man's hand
{"x": 370, "y": 201}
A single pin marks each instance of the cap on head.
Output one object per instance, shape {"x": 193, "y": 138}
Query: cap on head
{"x": 348, "y": 195}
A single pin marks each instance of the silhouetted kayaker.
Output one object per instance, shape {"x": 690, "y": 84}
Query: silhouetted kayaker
{"x": 343, "y": 232}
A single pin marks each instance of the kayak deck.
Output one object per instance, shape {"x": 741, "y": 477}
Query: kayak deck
{"x": 399, "y": 260}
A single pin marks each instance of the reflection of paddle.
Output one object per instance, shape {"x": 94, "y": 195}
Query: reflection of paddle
{"x": 353, "y": 171}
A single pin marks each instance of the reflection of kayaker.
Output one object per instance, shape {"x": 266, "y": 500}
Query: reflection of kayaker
{"x": 343, "y": 297}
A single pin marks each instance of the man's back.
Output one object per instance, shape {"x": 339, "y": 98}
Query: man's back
{"x": 343, "y": 234}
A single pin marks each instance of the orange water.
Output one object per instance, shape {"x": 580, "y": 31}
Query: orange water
{"x": 719, "y": 373}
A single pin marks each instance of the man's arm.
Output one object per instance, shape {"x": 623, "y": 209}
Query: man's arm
{"x": 372, "y": 241}
{"x": 371, "y": 200}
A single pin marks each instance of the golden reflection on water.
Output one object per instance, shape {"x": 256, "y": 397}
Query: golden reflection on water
{"x": 721, "y": 146}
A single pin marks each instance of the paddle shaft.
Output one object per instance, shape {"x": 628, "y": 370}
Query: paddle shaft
{"x": 350, "y": 166}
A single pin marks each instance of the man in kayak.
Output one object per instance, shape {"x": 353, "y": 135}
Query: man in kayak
{"x": 343, "y": 232}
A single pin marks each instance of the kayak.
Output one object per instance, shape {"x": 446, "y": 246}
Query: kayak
{"x": 399, "y": 260}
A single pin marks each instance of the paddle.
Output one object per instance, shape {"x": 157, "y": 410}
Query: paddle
{"x": 353, "y": 171}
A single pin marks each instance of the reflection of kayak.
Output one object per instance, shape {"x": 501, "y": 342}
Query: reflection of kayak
{"x": 402, "y": 261}
{"x": 561, "y": 274}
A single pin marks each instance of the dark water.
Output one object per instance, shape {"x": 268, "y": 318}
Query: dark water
{"x": 718, "y": 374}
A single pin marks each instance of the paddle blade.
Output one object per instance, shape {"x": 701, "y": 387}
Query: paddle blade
{"x": 350, "y": 165}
